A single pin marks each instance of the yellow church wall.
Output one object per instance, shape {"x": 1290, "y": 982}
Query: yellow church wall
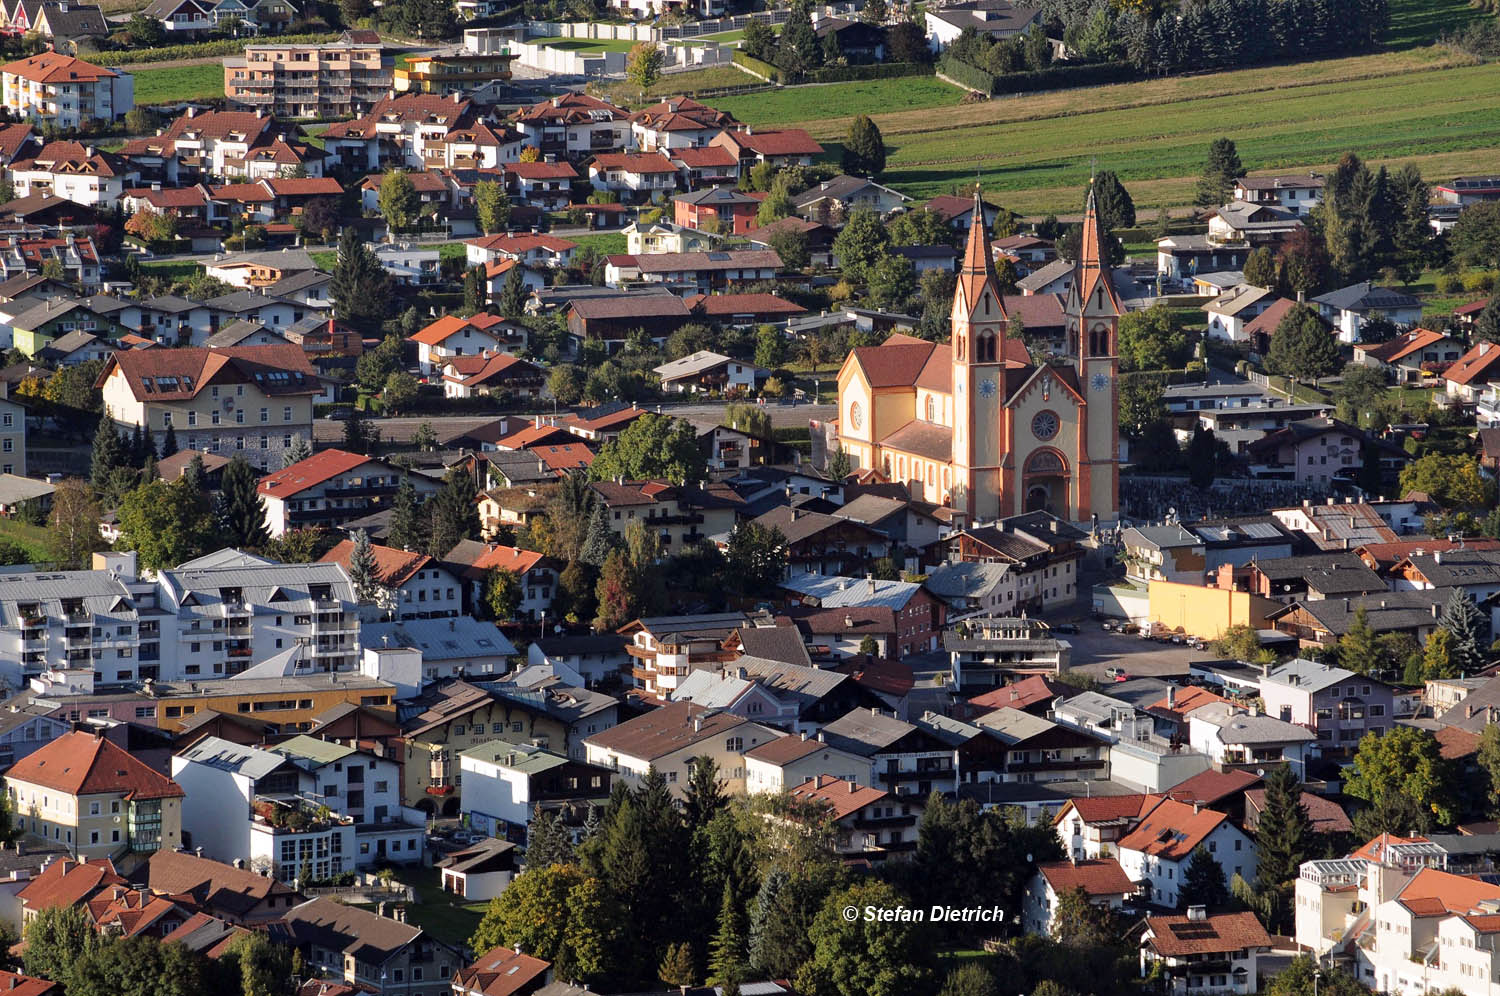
{"x": 894, "y": 407}
{"x": 1205, "y": 612}
{"x": 942, "y": 406}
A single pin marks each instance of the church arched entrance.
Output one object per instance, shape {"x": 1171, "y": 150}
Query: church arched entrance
{"x": 1044, "y": 481}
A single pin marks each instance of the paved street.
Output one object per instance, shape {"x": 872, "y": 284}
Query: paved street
{"x": 1095, "y": 650}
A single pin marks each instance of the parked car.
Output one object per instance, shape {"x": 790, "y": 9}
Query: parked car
{"x": 1117, "y": 673}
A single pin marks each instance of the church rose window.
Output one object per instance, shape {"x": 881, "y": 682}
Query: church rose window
{"x": 856, "y": 415}
{"x": 1044, "y": 425}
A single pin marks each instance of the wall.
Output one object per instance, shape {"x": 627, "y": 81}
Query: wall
{"x": 216, "y": 809}
{"x": 1205, "y": 612}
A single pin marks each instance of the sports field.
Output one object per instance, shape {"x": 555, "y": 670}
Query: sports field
{"x": 1034, "y": 152}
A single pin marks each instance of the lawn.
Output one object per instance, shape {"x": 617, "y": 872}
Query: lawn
{"x": 437, "y": 911}
{"x": 173, "y": 84}
{"x": 1429, "y": 106}
{"x": 35, "y": 540}
{"x": 674, "y": 84}
{"x": 584, "y": 44}
{"x": 607, "y": 243}
{"x": 179, "y": 269}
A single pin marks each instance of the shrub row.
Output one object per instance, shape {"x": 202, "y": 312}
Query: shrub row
{"x": 1051, "y": 78}
{"x": 871, "y": 71}
{"x": 757, "y": 66}
{"x": 192, "y": 50}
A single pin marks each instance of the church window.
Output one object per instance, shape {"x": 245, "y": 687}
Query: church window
{"x": 1044, "y": 425}
{"x": 931, "y": 408}
{"x": 986, "y": 304}
{"x": 1044, "y": 462}
{"x": 856, "y": 415}
{"x": 931, "y": 474}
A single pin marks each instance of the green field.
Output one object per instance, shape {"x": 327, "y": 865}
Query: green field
{"x": 607, "y": 243}
{"x": 171, "y": 270}
{"x": 172, "y": 84}
{"x": 1422, "y": 22}
{"x": 801, "y": 104}
{"x": 713, "y": 78}
{"x": 584, "y": 44}
{"x": 35, "y": 540}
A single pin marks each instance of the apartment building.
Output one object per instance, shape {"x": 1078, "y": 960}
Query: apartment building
{"x": 447, "y": 74}
{"x": 246, "y": 400}
{"x": 671, "y": 738}
{"x": 665, "y": 649}
{"x": 679, "y": 515}
{"x": 333, "y": 486}
{"x": 89, "y": 795}
{"x": 370, "y": 952}
{"x": 336, "y": 79}
{"x": 65, "y": 92}
{"x": 416, "y": 585}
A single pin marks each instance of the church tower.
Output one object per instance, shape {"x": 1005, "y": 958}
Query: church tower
{"x": 979, "y": 328}
{"x": 1093, "y": 312}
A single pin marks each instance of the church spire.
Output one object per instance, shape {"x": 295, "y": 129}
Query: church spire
{"x": 1091, "y": 274}
{"x": 978, "y": 266}
{"x": 1091, "y": 246}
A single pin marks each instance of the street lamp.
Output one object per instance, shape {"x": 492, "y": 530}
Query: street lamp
{"x": 1317, "y": 974}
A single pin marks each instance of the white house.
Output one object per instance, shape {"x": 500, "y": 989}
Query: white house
{"x": 453, "y": 336}
{"x": 1202, "y": 954}
{"x": 706, "y": 370}
{"x": 1230, "y": 312}
{"x": 779, "y": 765}
{"x": 1296, "y": 193}
{"x": 503, "y": 783}
{"x": 1232, "y": 736}
{"x": 998, "y": 19}
{"x": 1348, "y": 308}
{"x": 364, "y": 788}
{"x": 635, "y": 177}
{"x": 1102, "y": 880}
{"x": 480, "y": 872}
{"x": 60, "y": 90}
{"x": 1156, "y": 852}
{"x": 409, "y": 265}
{"x": 670, "y": 737}
{"x": 544, "y": 251}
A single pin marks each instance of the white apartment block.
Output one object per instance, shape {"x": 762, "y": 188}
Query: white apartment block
{"x": 61, "y": 90}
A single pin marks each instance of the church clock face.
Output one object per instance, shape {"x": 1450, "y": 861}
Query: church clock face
{"x": 987, "y": 387}
{"x": 1100, "y": 381}
{"x": 856, "y": 416}
{"x": 1044, "y": 425}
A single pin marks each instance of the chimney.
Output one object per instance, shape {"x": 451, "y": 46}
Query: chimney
{"x": 697, "y": 724}
{"x": 1171, "y": 696}
{"x": 1197, "y": 913}
{"x": 380, "y": 908}
{"x": 1437, "y": 556}
{"x": 1435, "y": 610}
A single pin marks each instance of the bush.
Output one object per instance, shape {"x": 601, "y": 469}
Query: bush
{"x": 1450, "y": 283}
{"x": 757, "y": 66}
{"x": 966, "y": 75}
{"x": 225, "y": 46}
{"x": 873, "y": 71}
{"x": 1479, "y": 281}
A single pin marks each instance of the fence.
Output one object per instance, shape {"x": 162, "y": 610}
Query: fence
{"x": 375, "y": 892}
{"x": 602, "y": 31}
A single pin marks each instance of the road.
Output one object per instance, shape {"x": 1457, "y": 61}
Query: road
{"x": 1094, "y": 650}
{"x": 400, "y": 430}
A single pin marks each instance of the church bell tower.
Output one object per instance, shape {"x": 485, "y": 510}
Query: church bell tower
{"x": 979, "y": 328}
{"x": 1093, "y": 315}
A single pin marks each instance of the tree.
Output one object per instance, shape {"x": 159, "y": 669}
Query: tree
{"x": 547, "y": 840}
{"x": 1405, "y": 762}
{"x": 617, "y": 592}
{"x": 839, "y": 465}
{"x": 451, "y": 513}
{"x": 906, "y": 43}
{"x": 864, "y": 148}
{"x": 756, "y": 557}
{"x": 653, "y": 446}
{"x": 398, "y": 200}
{"x": 360, "y": 288}
{"x": 1467, "y": 626}
{"x": 791, "y": 245}
{"x": 492, "y": 205}
{"x": 1260, "y": 269}
{"x": 362, "y": 569}
{"x": 399, "y": 391}
{"x": 1239, "y": 642}
{"x": 892, "y": 282}
{"x": 108, "y": 454}
{"x": 1201, "y": 451}
{"x": 241, "y": 512}
{"x": 1437, "y": 659}
{"x": 760, "y": 40}
{"x": 874, "y": 12}
{"x": 1220, "y": 170}
{"x": 1358, "y": 650}
{"x": 513, "y": 294}
{"x": 1203, "y": 881}
{"x": 861, "y": 244}
{"x": 57, "y": 938}
{"x": 1297, "y": 979}
{"x": 1475, "y": 238}
{"x": 1140, "y": 405}
{"x": 264, "y": 967}
{"x": 566, "y": 383}
{"x": 405, "y": 530}
{"x": 73, "y": 523}
{"x": 1489, "y": 762}
{"x": 473, "y": 289}
{"x": 502, "y": 594}
{"x": 320, "y": 218}
{"x": 166, "y": 524}
{"x": 705, "y": 796}
{"x": 970, "y": 979}
{"x": 556, "y": 913}
{"x": 1151, "y": 340}
{"x": 1453, "y": 481}
{"x": 1487, "y": 322}
{"x": 643, "y": 65}
{"x": 1112, "y": 202}
{"x": 677, "y": 968}
{"x": 1283, "y": 839}
{"x": 798, "y": 49}
{"x": 727, "y": 954}
{"x": 1302, "y": 347}
{"x": 1077, "y": 922}
{"x": 860, "y": 958}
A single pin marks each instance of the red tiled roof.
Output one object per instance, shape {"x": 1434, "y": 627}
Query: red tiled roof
{"x": 1373, "y": 849}
{"x": 449, "y": 325}
{"x": 1402, "y": 345}
{"x": 254, "y": 192}
{"x": 13, "y": 138}
{"x": 1179, "y": 936}
{"x": 1323, "y": 814}
{"x": 393, "y": 566}
{"x": 502, "y": 971}
{"x": 425, "y": 182}
{"x": 1265, "y": 323}
{"x": 522, "y": 243}
{"x": 490, "y": 367}
{"x": 82, "y": 764}
{"x": 67, "y": 882}
{"x": 16, "y": 984}
{"x": 507, "y": 558}
{"x": 309, "y": 473}
{"x": 1433, "y": 892}
{"x": 1475, "y": 364}
{"x": 304, "y": 186}
{"x": 170, "y": 197}
{"x": 743, "y": 304}
{"x": 776, "y": 142}
{"x": 1101, "y": 808}
{"x": 1454, "y": 743}
{"x": 1020, "y": 694}
{"x": 192, "y": 368}
{"x": 1209, "y": 787}
{"x": 702, "y": 158}
{"x": 1171, "y": 830}
{"x": 844, "y": 798}
{"x": 541, "y": 171}
{"x": 892, "y": 364}
{"x": 1185, "y": 701}
{"x": 54, "y": 67}
{"x": 1098, "y": 877}
{"x": 563, "y": 457}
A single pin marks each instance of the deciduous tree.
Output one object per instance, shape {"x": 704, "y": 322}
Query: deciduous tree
{"x": 864, "y": 148}
{"x": 398, "y": 200}
{"x": 1220, "y": 170}
{"x": 1404, "y": 762}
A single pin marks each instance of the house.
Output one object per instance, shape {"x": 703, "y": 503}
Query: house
{"x": 666, "y": 649}
{"x": 332, "y": 80}
{"x": 542, "y": 185}
{"x": 503, "y": 784}
{"x": 449, "y": 647}
{"x": 907, "y": 758}
{"x": 1321, "y": 622}
{"x": 538, "y": 251}
{"x": 1102, "y": 880}
{"x": 1034, "y": 749}
{"x": 499, "y": 374}
{"x": 573, "y": 126}
{"x": 1411, "y": 355}
{"x": 88, "y": 794}
{"x": 859, "y": 42}
{"x": 778, "y": 765}
{"x": 39, "y": 323}
{"x": 333, "y": 486}
{"x": 1348, "y": 308}
{"x": 1473, "y": 372}
{"x": 1230, "y": 312}
{"x": 1323, "y": 814}
{"x": 74, "y": 171}
{"x": 378, "y": 954}
{"x": 413, "y": 130}
{"x": 680, "y": 515}
{"x": 613, "y": 317}
{"x": 1199, "y": 953}
{"x": 741, "y": 310}
{"x": 453, "y": 336}
{"x": 65, "y": 92}
{"x": 831, "y": 201}
{"x": 1156, "y": 852}
{"x": 709, "y": 272}
{"x": 711, "y": 164}
{"x": 1339, "y": 706}
{"x": 1163, "y": 553}
{"x": 998, "y": 648}
{"x": 1466, "y": 190}
{"x": 1322, "y": 451}
{"x": 502, "y": 972}
{"x": 918, "y": 613}
{"x": 721, "y": 209}
{"x": 596, "y": 658}
{"x": 671, "y": 737}
{"x": 1233, "y": 736}
{"x": 708, "y": 371}
{"x": 237, "y": 895}
{"x": 1298, "y": 194}
{"x": 363, "y": 787}
{"x": 416, "y": 585}
{"x": 778, "y": 146}
{"x": 998, "y": 19}
{"x": 76, "y": 254}
{"x": 250, "y": 399}
{"x": 479, "y": 872}
{"x": 258, "y": 270}
{"x": 408, "y": 265}
{"x": 819, "y": 543}
{"x": 677, "y": 123}
{"x": 870, "y": 824}
{"x": 638, "y": 178}
{"x": 1257, "y": 224}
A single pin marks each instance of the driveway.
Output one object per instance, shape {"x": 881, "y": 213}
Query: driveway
{"x": 1095, "y": 650}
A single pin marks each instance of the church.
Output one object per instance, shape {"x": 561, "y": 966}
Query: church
{"x": 975, "y": 424}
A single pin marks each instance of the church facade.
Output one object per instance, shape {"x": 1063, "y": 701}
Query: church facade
{"x": 975, "y": 424}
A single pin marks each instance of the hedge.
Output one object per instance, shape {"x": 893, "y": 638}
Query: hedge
{"x": 872, "y": 71}
{"x": 756, "y": 66}
{"x": 192, "y": 50}
{"x": 1052, "y": 78}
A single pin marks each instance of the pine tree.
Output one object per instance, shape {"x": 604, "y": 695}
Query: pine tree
{"x": 405, "y": 529}
{"x": 474, "y": 289}
{"x": 297, "y": 452}
{"x": 727, "y": 953}
{"x": 1112, "y": 202}
{"x": 195, "y": 477}
{"x": 362, "y": 568}
{"x": 762, "y": 911}
{"x": 1203, "y": 881}
{"x": 864, "y": 148}
{"x": 705, "y": 794}
{"x": 513, "y": 294}
{"x": 241, "y": 512}
{"x": 547, "y": 840}
{"x": 360, "y": 287}
{"x": 1282, "y": 839}
{"x": 599, "y": 542}
{"x": 677, "y": 968}
{"x": 452, "y": 513}
{"x": 1358, "y": 650}
{"x": 1466, "y": 625}
{"x": 169, "y": 442}
{"x": 108, "y": 454}
{"x": 1223, "y": 167}
{"x": 1201, "y": 457}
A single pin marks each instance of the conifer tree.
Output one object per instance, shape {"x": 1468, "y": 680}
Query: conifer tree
{"x": 405, "y": 530}
{"x": 547, "y": 840}
{"x": 362, "y": 568}
{"x": 1358, "y": 650}
{"x": 728, "y": 950}
{"x": 195, "y": 477}
{"x": 169, "y": 442}
{"x": 108, "y": 454}
{"x": 1203, "y": 881}
{"x": 1282, "y": 839}
{"x": 1222, "y": 168}
{"x": 599, "y": 542}
{"x": 241, "y": 513}
{"x": 705, "y": 795}
{"x": 513, "y": 294}
{"x": 1466, "y": 625}
{"x": 297, "y": 452}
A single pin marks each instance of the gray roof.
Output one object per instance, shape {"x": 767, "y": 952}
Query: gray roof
{"x": 774, "y": 643}
{"x": 268, "y": 587}
{"x": 711, "y": 689}
{"x": 1161, "y": 537}
{"x": 840, "y": 188}
{"x": 237, "y": 332}
{"x": 239, "y": 301}
{"x": 453, "y": 639}
{"x": 1365, "y": 296}
{"x": 298, "y": 282}
{"x": 964, "y": 580}
{"x": 102, "y": 593}
{"x": 71, "y": 342}
{"x": 1039, "y": 278}
{"x": 14, "y": 488}
{"x": 1012, "y": 726}
{"x": 954, "y": 732}
{"x": 252, "y": 762}
{"x": 841, "y": 592}
{"x": 803, "y": 685}
{"x": 562, "y": 702}
{"x": 1096, "y": 708}
{"x": 1236, "y": 727}
{"x": 1459, "y": 568}
{"x": 1308, "y": 675}
{"x": 987, "y": 16}
{"x": 871, "y": 509}
{"x": 863, "y": 732}
{"x": 1384, "y": 611}
{"x": 281, "y": 259}
{"x": 693, "y": 364}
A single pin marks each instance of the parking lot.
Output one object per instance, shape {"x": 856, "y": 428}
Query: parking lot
{"x": 1095, "y": 650}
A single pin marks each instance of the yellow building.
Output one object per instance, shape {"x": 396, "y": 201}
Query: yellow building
{"x": 89, "y": 795}
{"x": 445, "y": 74}
{"x": 975, "y": 424}
{"x": 1195, "y": 610}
